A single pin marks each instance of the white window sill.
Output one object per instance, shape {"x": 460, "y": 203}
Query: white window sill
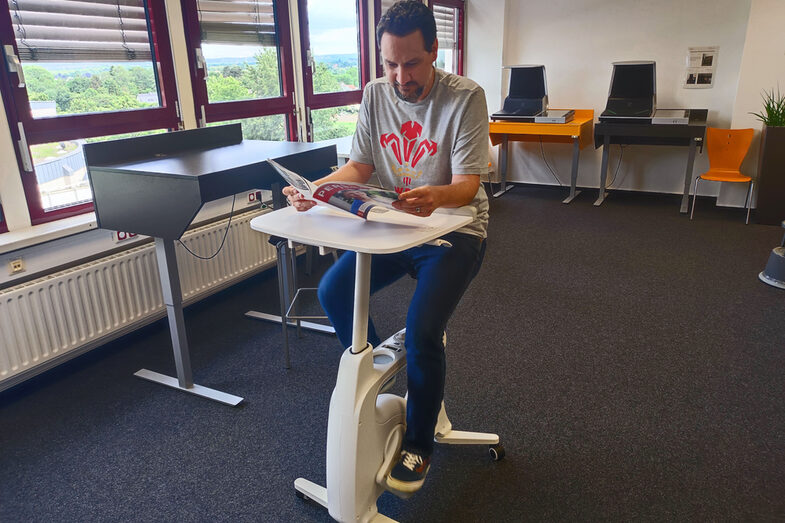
{"x": 15, "y": 240}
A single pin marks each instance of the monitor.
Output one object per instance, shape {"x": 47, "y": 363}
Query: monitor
{"x": 633, "y": 92}
{"x": 633, "y": 80}
{"x": 527, "y": 95}
{"x": 528, "y": 81}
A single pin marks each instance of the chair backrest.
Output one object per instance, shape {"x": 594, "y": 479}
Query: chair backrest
{"x": 727, "y": 147}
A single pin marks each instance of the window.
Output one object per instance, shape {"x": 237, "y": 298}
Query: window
{"x": 449, "y": 15}
{"x": 68, "y": 64}
{"x": 334, "y": 39}
{"x": 449, "y": 32}
{"x": 241, "y": 65}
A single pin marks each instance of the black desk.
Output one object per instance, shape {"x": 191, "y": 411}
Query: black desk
{"x": 689, "y": 135}
{"x": 155, "y": 185}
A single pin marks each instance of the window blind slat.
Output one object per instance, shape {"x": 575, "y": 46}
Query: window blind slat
{"x": 75, "y": 30}
{"x": 237, "y": 22}
{"x": 69, "y": 51}
{"x": 445, "y": 26}
{"x": 82, "y": 21}
{"x": 225, "y": 6}
{"x": 128, "y": 8}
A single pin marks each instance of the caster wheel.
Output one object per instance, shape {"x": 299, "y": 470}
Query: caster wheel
{"x": 496, "y": 452}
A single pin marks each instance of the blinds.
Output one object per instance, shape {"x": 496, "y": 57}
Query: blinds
{"x": 79, "y": 31}
{"x": 237, "y": 22}
{"x": 446, "y": 20}
{"x": 446, "y": 26}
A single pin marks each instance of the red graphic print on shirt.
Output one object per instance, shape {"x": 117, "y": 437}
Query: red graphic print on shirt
{"x": 407, "y": 152}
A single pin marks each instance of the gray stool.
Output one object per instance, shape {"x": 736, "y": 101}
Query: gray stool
{"x": 289, "y": 294}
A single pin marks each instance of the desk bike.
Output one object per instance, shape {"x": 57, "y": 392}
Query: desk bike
{"x": 365, "y": 431}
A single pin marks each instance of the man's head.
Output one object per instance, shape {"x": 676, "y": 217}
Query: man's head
{"x": 406, "y": 35}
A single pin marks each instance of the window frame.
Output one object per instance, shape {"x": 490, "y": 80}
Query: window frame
{"x": 240, "y": 109}
{"x": 326, "y": 100}
{"x": 72, "y": 127}
{"x": 460, "y": 5}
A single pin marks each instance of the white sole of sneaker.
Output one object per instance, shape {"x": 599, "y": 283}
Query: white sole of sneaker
{"x": 405, "y": 487}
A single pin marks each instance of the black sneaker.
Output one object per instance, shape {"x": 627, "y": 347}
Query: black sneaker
{"x": 409, "y": 472}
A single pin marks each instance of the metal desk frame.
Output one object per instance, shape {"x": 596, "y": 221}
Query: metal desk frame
{"x": 578, "y": 131}
{"x": 689, "y": 135}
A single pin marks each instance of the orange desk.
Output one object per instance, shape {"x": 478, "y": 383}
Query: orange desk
{"x": 578, "y": 132}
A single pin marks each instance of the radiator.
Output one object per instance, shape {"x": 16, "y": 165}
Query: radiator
{"x": 56, "y": 317}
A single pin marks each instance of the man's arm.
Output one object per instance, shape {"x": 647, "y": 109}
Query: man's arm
{"x": 350, "y": 172}
{"x": 422, "y": 201}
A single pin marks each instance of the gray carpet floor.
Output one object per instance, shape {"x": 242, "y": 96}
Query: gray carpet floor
{"x": 629, "y": 359}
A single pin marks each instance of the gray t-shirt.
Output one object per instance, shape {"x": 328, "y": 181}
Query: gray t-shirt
{"x": 426, "y": 142}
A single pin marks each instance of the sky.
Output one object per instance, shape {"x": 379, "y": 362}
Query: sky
{"x": 332, "y": 26}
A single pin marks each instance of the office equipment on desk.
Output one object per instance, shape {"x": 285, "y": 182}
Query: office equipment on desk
{"x": 555, "y": 116}
{"x": 671, "y": 117}
{"x": 366, "y": 425}
{"x": 632, "y": 96}
{"x": 577, "y": 131}
{"x": 726, "y": 149}
{"x": 527, "y": 94}
{"x": 626, "y": 133}
{"x": 155, "y": 185}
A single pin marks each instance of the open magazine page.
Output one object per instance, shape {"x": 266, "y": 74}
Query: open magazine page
{"x": 356, "y": 198}
{"x": 303, "y": 185}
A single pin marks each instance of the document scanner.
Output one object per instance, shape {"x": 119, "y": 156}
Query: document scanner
{"x": 527, "y": 96}
{"x": 633, "y": 93}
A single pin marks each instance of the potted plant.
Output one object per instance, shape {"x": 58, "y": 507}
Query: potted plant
{"x": 770, "y": 209}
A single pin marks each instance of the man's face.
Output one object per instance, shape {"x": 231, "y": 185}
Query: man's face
{"x": 407, "y": 65}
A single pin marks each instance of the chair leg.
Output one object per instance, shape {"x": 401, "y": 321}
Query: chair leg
{"x": 748, "y": 201}
{"x": 694, "y": 195}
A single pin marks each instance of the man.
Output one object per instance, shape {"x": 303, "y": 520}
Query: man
{"x": 425, "y": 133}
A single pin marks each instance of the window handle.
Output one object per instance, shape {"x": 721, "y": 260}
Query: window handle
{"x": 201, "y": 63}
{"x": 310, "y": 60}
{"x": 309, "y": 123}
{"x": 14, "y": 65}
{"x": 24, "y": 150}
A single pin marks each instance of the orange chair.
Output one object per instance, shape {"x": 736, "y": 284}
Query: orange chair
{"x": 727, "y": 149}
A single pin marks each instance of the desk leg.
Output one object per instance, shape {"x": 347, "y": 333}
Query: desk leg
{"x": 503, "y": 154}
{"x": 362, "y": 295}
{"x": 603, "y": 170}
{"x": 173, "y": 299}
{"x": 576, "y": 152}
{"x": 685, "y": 199}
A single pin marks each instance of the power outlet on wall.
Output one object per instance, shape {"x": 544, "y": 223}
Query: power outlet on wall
{"x": 16, "y": 266}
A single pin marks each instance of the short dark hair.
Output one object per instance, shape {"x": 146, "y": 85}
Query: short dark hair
{"x": 404, "y": 18}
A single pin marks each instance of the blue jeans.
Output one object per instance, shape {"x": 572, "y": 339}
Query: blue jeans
{"x": 442, "y": 274}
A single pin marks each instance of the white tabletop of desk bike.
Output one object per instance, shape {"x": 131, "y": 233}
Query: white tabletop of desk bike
{"x": 325, "y": 227}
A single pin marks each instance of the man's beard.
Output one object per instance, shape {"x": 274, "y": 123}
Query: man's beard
{"x": 413, "y": 97}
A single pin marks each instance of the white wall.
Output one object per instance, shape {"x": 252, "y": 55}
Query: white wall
{"x": 484, "y": 42}
{"x": 578, "y": 39}
{"x": 762, "y": 67}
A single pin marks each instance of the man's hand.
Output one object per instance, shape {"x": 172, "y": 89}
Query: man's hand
{"x": 296, "y": 199}
{"x": 421, "y": 201}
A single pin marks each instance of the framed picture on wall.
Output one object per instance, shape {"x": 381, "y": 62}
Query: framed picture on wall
{"x": 701, "y": 67}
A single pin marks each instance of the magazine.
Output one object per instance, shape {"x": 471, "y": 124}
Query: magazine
{"x": 356, "y": 198}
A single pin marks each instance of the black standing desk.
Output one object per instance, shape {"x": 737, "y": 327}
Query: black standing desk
{"x": 155, "y": 185}
{"x": 688, "y": 135}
